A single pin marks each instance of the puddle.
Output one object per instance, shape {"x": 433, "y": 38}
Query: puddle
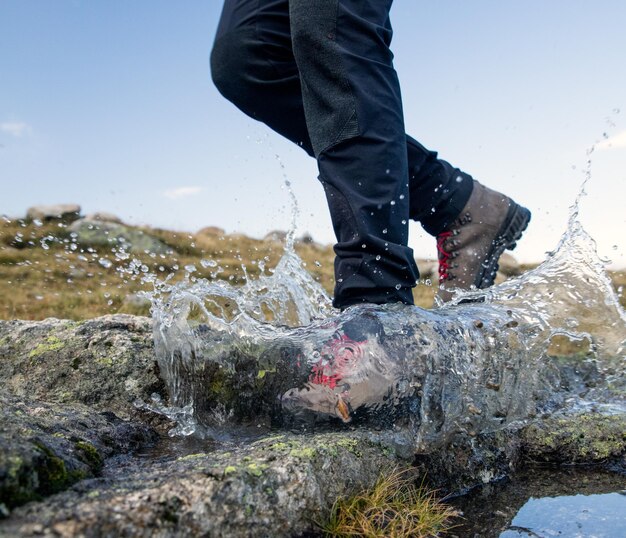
{"x": 547, "y": 502}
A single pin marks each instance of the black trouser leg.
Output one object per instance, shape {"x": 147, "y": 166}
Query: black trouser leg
{"x": 352, "y": 105}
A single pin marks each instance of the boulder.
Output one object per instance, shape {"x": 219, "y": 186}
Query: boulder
{"x": 306, "y": 239}
{"x": 107, "y": 363}
{"x": 429, "y": 269}
{"x": 69, "y": 430}
{"x": 276, "y": 236}
{"x": 276, "y": 486}
{"x": 212, "y": 231}
{"x": 103, "y": 217}
{"x": 62, "y": 212}
{"x": 102, "y": 234}
{"x": 509, "y": 266}
{"x": 46, "y": 447}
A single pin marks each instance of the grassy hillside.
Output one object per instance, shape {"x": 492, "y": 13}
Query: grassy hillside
{"x": 47, "y": 271}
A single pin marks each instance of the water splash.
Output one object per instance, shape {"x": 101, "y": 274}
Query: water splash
{"x": 273, "y": 352}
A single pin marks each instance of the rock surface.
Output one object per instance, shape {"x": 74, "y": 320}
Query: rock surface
{"x": 212, "y": 231}
{"x": 102, "y": 216}
{"x": 106, "y": 363}
{"x": 63, "y": 212}
{"x": 71, "y": 436}
{"x": 111, "y": 234}
{"x": 46, "y": 447}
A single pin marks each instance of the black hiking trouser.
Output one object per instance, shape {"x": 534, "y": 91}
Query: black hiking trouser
{"x": 320, "y": 73}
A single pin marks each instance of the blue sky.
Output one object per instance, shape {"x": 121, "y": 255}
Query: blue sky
{"x": 109, "y": 103}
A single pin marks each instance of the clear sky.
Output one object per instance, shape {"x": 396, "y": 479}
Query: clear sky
{"x": 109, "y": 104}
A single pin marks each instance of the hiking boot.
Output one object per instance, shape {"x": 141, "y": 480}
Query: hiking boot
{"x": 470, "y": 248}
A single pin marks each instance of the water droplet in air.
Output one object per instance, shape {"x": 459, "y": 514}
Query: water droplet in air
{"x": 385, "y": 231}
{"x": 459, "y": 179}
{"x": 378, "y": 257}
{"x": 393, "y": 202}
{"x": 363, "y": 245}
{"x": 398, "y": 286}
{"x": 401, "y": 197}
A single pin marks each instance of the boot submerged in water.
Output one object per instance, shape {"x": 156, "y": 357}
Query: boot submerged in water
{"x": 469, "y": 249}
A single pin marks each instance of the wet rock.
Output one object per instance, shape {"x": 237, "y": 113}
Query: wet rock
{"x": 107, "y": 363}
{"x": 276, "y": 486}
{"x": 62, "y": 212}
{"x": 103, "y": 234}
{"x": 46, "y": 447}
{"x": 591, "y": 437}
{"x": 69, "y": 387}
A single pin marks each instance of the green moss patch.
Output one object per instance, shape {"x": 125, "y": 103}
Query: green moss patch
{"x": 52, "y": 343}
{"x": 581, "y": 438}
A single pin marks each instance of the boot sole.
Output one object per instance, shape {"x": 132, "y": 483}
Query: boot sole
{"x": 515, "y": 223}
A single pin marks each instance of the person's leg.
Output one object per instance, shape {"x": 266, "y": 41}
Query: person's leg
{"x": 253, "y": 66}
{"x": 353, "y": 111}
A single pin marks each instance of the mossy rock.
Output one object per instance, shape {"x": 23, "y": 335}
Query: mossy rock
{"x": 586, "y": 438}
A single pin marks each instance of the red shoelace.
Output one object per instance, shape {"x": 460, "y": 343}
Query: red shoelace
{"x": 443, "y": 256}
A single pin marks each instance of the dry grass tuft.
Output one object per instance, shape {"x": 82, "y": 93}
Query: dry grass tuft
{"x": 396, "y": 507}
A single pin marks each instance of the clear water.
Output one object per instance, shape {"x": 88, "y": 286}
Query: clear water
{"x": 578, "y": 516}
{"x": 274, "y": 353}
{"x": 546, "y": 502}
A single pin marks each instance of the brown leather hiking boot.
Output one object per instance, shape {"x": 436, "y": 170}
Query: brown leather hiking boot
{"x": 470, "y": 248}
